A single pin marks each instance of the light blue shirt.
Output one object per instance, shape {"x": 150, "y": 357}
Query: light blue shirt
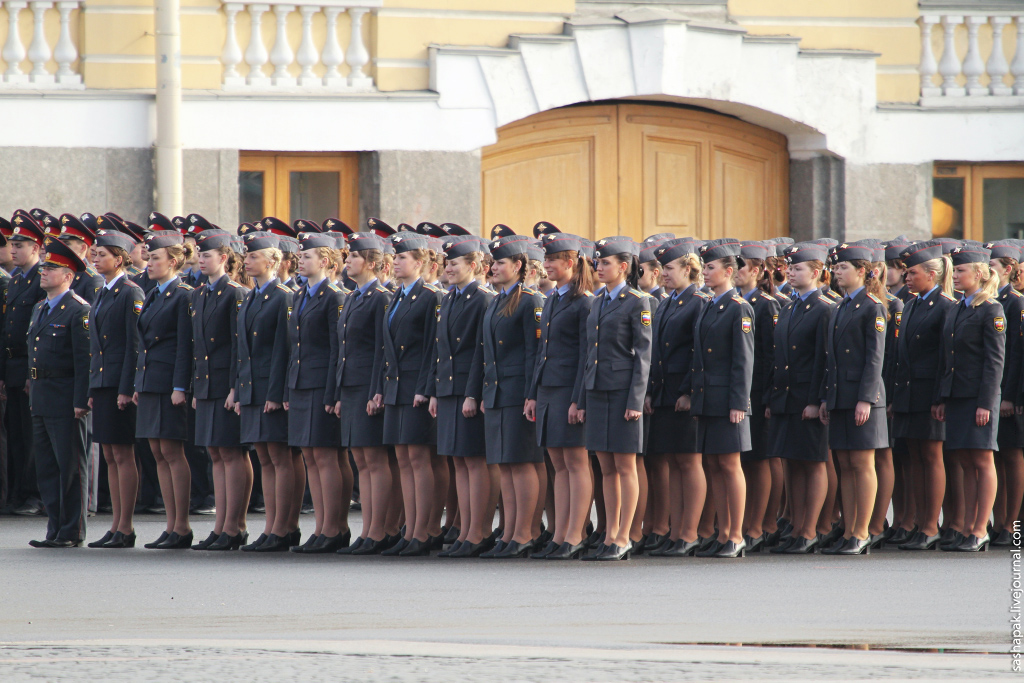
{"x": 853, "y": 295}
{"x": 928, "y": 293}
{"x": 728, "y": 292}
{"x": 164, "y": 286}
{"x": 750, "y": 294}
{"x": 615, "y": 292}
{"x": 968, "y": 299}
{"x": 365, "y": 288}
{"x": 803, "y": 297}
{"x": 56, "y": 300}
{"x": 508, "y": 291}
{"x": 405, "y": 292}
{"x": 564, "y": 289}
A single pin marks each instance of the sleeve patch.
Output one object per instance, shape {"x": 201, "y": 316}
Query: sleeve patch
{"x": 138, "y": 307}
{"x": 775, "y": 319}
{"x": 999, "y": 323}
{"x": 746, "y": 324}
{"x": 85, "y": 321}
{"x": 899, "y": 318}
{"x": 880, "y": 324}
{"x": 537, "y": 313}
{"x": 645, "y": 318}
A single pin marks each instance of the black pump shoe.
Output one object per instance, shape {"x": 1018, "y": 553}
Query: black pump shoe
{"x": 973, "y": 544}
{"x": 207, "y": 542}
{"x": 249, "y": 547}
{"x": 566, "y": 552}
{"x": 349, "y": 549}
{"x": 595, "y": 552}
{"x": 310, "y": 542}
{"x": 103, "y": 541}
{"x": 755, "y": 545}
{"x": 160, "y": 539}
{"x": 367, "y": 547}
{"x": 330, "y": 544}
{"x": 294, "y": 537}
{"x": 855, "y": 546}
{"x": 468, "y": 549}
{"x": 710, "y": 549}
{"x": 731, "y": 549}
{"x": 447, "y": 552}
{"x": 416, "y": 548}
{"x": 1002, "y": 539}
{"x": 706, "y": 543}
{"x": 229, "y": 542}
{"x": 784, "y": 543}
{"x": 955, "y": 538}
{"x": 499, "y": 546}
{"x": 394, "y": 550}
{"x": 549, "y": 547}
{"x": 613, "y": 553}
{"x": 921, "y": 542}
{"x": 800, "y": 546}
{"x": 681, "y": 548}
{"x": 121, "y": 540}
{"x": 451, "y": 535}
{"x": 834, "y": 548}
{"x": 273, "y": 544}
{"x": 515, "y": 550}
{"x": 176, "y": 541}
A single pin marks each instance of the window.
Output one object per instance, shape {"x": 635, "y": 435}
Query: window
{"x": 979, "y": 202}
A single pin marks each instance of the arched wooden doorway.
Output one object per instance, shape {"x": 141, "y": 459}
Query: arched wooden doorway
{"x": 637, "y": 170}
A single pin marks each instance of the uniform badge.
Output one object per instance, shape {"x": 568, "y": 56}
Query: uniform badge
{"x": 899, "y": 318}
{"x": 880, "y": 324}
{"x": 999, "y": 323}
{"x": 85, "y": 321}
{"x": 775, "y": 319}
{"x": 238, "y": 305}
{"x": 340, "y": 307}
{"x": 437, "y": 312}
{"x": 289, "y": 313}
{"x": 138, "y": 307}
{"x": 645, "y": 318}
{"x": 537, "y": 312}
{"x": 746, "y": 324}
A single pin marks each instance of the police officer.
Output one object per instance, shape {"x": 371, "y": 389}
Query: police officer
{"x": 617, "y": 371}
{"x": 454, "y": 377}
{"x": 673, "y": 430}
{"x": 81, "y": 238}
{"x": 113, "y": 336}
{"x": 263, "y": 349}
{"x": 23, "y": 293}
{"x": 163, "y": 378}
{"x": 312, "y": 425}
{"x": 59, "y": 393}
{"x": 968, "y": 393}
{"x": 929, "y": 278}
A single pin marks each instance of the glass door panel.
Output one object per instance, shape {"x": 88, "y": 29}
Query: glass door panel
{"x": 313, "y": 195}
{"x": 1003, "y": 208}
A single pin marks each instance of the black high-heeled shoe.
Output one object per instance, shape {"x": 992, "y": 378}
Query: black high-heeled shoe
{"x": 876, "y": 541}
{"x": 304, "y": 548}
{"x": 207, "y": 542}
{"x": 731, "y": 549}
{"x": 176, "y": 541}
{"x": 567, "y": 552}
{"x": 274, "y": 544}
{"x": 499, "y": 545}
{"x": 973, "y": 544}
{"x": 160, "y": 539}
{"x": 102, "y": 541}
{"x": 595, "y": 552}
{"x": 249, "y": 547}
{"x": 780, "y": 547}
{"x": 901, "y": 535}
{"x": 1001, "y": 540}
{"x": 447, "y": 552}
{"x": 706, "y": 542}
{"x": 921, "y": 542}
{"x": 595, "y": 539}
{"x": 436, "y": 542}
{"x": 451, "y": 535}
{"x": 121, "y": 540}
{"x": 657, "y": 543}
{"x": 329, "y": 544}
{"x": 681, "y": 548}
{"x": 294, "y": 537}
{"x": 834, "y": 549}
{"x": 515, "y": 550}
{"x": 955, "y": 538}
{"x": 394, "y": 550}
{"x": 855, "y": 546}
{"x": 755, "y": 545}
{"x": 349, "y": 549}
{"x": 468, "y": 549}
{"x": 229, "y": 542}
{"x": 545, "y": 537}
{"x": 367, "y": 547}
{"x": 711, "y": 549}
{"x": 543, "y": 552}
{"x": 830, "y": 539}
{"x": 800, "y": 546}
{"x": 772, "y": 539}
{"x": 416, "y": 548}
{"x": 613, "y": 553}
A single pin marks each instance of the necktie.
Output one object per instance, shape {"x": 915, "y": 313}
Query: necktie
{"x": 99, "y": 300}
{"x": 45, "y": 312}
{"x": 398, "y": 300}
{"x": 305, "y": 300}
{"x": 604, "y": 304}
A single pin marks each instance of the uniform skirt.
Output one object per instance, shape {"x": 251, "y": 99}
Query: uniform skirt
{"x": 309, "y": 425}
{"x": 109, "y": 423}
{"x": 358, "y": 429}
{"x": 606, "y": 424}
{"x": 845, "y": 435}
{"x": 457, "y": 435}
{"x": 759, "y": 426}
{"x": 964, "y": 432}
{"x": 405, "y": 425}
{"x": 794, "y": 438}
{"x": 717, "y": 435}
{"x": 1011, "y": 432}
{"x": 511, "y": 438}
{"x": 672, "y": 431}
{"x": 260, "y": 427}
{"x": 158, "y": 418}
{"x": 918, "y": 425}
{"x": 216, "y": 426}
{"x": 553, "y": 428}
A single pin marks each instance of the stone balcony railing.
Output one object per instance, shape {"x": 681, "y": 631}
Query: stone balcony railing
{"x": 33, "y": 66}
{"x": 983, "y": 74}
{"x": 318, "y": 66}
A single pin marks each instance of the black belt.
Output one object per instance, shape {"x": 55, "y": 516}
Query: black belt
{"x": 35, "y": 373}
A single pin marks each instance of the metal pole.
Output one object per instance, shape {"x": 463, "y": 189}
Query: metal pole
{"x": 168, "y": 108}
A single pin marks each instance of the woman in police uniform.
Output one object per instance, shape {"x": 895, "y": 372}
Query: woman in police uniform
{"x": 114, "y": 346}
{"x": 162, "y": 380}
{"x": 968, "y": 396}
{"x": 508, "y": 350}
{"x": 674, "y": 430}
{"x": 854, "y": 405}
{"x": 310, "y": 394}
{"x": 454, "y": 377}
{"x": 409, "y": 329}
{"x": 719, "y": 390}
{"x": 215, "y": 347}
{"x": 615, "y": 381}
{"x": 556, "y": 387}
{"x": 263, "y": 348}
{"x": 929, "y": 275}
{"x": 361, "y": 348}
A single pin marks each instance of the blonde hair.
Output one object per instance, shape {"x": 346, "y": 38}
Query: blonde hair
{"x": 942, "y": 269}
{"x": 374, "y": 259}
{"x": 696, "y": 270}
{"x": 180, "y": 254}
{"x": 989, "y": 284}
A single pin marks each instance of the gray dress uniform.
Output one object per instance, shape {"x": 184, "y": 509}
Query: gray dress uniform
{"x": 673, "y": 431}
{"x": 361, "y": 355}
{"x": 798, "y": 369}
{"x": 311, "y": 366}
{"x": 973, "y": 356}
{"x": 114, "y": 342}
{"x": 59, "y": 373}
{"x": 165, "y": 362}
{"x": 766, "y": 314}
{"x": 215, "y": 309}
{"x": 508, "y": 353}
{"x": 454, "y": 375}
{"x": 263, "y": 349}
{"x": 856, "y": 354}
{"x": 918, "y": 361}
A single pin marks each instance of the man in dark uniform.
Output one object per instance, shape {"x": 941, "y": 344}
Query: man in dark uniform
{"x": 76, "y": 235}
{"x": 59, "y": 395}
{"x": 6, "y": 229}
{"x": 22, "y": 294}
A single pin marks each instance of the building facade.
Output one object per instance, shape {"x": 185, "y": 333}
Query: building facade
{"x": 748, "y": 118}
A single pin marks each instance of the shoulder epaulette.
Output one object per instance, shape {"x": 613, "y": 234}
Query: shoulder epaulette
{"x": 948, "y": 296}
{"x": 739, "y": 299}
{"x": 91, "y": 271}
{"x": 432, "y": 288}
{"x": 827, "y": 300}
{"x": 232, "y": 283}
{"x": 889, "y": 297}
{"x": 333, "y": 287}
{"x": 283, "y": 288}
{"x": 187, "y": 288}
{"x": 381, "y": 288}
{"x": 528, "y": 290}
{"x": 132, "y": 283}
{"x": 637, "y": 293}
{"x": 874, "y": 298}
{"x": 589, "y": 293}
{"x": 702, "y": 295}
{"x": 79, "y": 299}
{"x": 1015, "y": 292}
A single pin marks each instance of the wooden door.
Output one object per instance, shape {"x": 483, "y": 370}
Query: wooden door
{"x": 297, "y": 185}
{"x": 672, "y": 170}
